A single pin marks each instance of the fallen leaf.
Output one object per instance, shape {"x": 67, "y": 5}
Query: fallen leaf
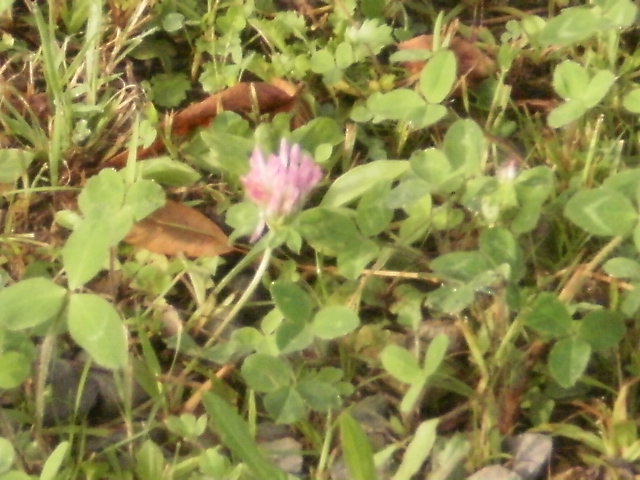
{"x": 301, "y": 113}
{"x": 473, "y": 63}
{"x": 177, "y": 228}
{"x": 243, "y": 98}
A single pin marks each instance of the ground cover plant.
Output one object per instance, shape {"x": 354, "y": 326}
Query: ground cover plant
{"x": 324, "y": 240}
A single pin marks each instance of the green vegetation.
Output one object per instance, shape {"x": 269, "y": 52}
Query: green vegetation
{"x": 440, "y": 279}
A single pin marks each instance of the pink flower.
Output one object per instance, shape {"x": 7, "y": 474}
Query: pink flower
{"x": 280, "y": 184}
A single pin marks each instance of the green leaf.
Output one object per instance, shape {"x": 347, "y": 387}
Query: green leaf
{"x": 293, "y": 336}
{"x": 533, "y": 187}
{"x": 622, "y": 267}
{"x": 52, "y": 466}
{"x": 187, "y": 425}
{"x": 223, "y": 145}
{"x": 243, "y": 217}
{"x": 321, "y": 396}
{"x": 598, "y": 88}
{"x": 358, "y": 180}
{"x": 318, "y": 132}
{"x": 149, "y": 461}
{"x": 373, "y": 214}
{"x": 266, "y": 373}
{"x": 7, "y": 455}
{"x": 167, "y": 171}
{"x": 292, "y": 300}
{"x": 631, "y": 101}
{"x": 500, "y": 246}
{"x": 572, "y": 26}
{"x": 235, "y": 435}
{"x": 169, "y": 89}
{"x": 334, "y": 321}
{"x": 373, "y": 8}
{"x": 15, "y": 368}
{"x": 30, "y": 302}
{"x": 172, "y": 22}
{"x": 445, "y": 217}
{"x": 144, "y": 197}
{"x": 408, "y": 306}
{"x": 464, "y": 145}
{"x": 214, "y": 463}
{"x": 96, "y": 326}
{"x": 371, "y": 36}
{"x": 285, "y": 405}
{"x": 451, "y": 299}
{"x": 329, "y": 231}
{"x": 433, "y": 359}
{"x": 153, "y": 48}
{"x": 433, "y": 166}
{"x": 626, "y": 182}
{"x": 400, "y": 363}
{"x": 438, "y": 76}
{"x": 620, "y": 13}
{"x": 356, "y": 448}
{"x": 357, "y": 256}
{"x": 398, "y": 104}
{"x": 592, "y": 210}
{"x": 436, "y": 352}
{"x": 570, "y": 79}
{"x": 414, "y": 227}
{"x": 566, "y": 113}
{"x": 408, "y": 191}
{"x": 636, "y": 237}
{"x": 460, "y": 266}
{"x": 344, "y": 55}
{"x": 602, "y": 329}
{"x": 418, "y": 450}
{"x": 86, "y": 251}
{"x": 360, "y": 113}
{"x": 426, "y": 115}
{"x": 103, "y": 194}
{"x": 413, "y": 395}
{"x": 630, "y": 303}
{"x": 549, "y": 316}
{"x": 322, "y": 61}
{"x": 568, "y": 360}
{"x": 14, "y": 163}
{"x": 16, "y": 475}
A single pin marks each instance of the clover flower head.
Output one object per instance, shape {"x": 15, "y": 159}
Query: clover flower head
{"x": 279, "y": 184}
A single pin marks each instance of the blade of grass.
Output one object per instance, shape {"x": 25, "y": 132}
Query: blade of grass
{"x": 357, "y": 450}
{"x": 235, "y": 434}
{"x": 53, "y": 57}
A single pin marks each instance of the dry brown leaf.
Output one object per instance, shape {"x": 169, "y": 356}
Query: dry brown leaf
{"x": 243, "y": 98}
{"x": 473, "y": 63}
{"x": 296, "y": 106}
{"x": 177, "y": 228}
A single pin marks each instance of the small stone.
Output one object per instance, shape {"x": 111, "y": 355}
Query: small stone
{"x": 495, "y": 472}
{"x": 532, "y": 454}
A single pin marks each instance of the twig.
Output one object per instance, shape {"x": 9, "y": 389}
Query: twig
{"x": 195, "y": 399}
{"x": 577, "y": 279}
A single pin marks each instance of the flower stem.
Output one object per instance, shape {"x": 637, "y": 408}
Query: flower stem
{"x": 262, "y": 267}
